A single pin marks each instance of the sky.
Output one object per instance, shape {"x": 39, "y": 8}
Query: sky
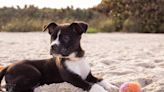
{"x": 50, "y": 3}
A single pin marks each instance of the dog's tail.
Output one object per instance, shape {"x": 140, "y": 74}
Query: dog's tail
{"x": 2, "y": 73}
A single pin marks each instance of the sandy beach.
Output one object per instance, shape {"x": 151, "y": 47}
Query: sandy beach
{"x": 117, "y": 57}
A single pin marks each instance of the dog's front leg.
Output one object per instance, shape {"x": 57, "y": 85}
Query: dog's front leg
{"x": 108, "y": 86}
{"x": 102, "y": 82}
{"x": 77, "y": 81}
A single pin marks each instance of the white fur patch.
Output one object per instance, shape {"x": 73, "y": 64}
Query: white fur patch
{"x": 104, "y": 84}
{"x": 73, "y": 57}
{"x": 3, "y": 84}
{"x": 108, "y": 86}
{"x": 79, "y": 67}
{"x": 56, "y": 41}
{"x": 97, "y": 88}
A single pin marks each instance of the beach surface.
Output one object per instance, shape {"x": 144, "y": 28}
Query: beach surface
{"x": 117, "y": 57}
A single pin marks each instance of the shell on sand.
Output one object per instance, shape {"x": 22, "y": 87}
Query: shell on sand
{"x": 117, "y": 57}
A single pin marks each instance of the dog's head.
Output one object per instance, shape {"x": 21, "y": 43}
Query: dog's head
{"x": 65, "y": 39}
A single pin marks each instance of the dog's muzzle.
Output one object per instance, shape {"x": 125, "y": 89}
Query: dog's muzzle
{"x": 55, "y": 49}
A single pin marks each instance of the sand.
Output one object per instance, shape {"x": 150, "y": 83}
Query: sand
{"x": 117, "y": 57}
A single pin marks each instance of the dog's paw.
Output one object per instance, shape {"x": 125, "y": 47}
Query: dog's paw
{"x": 112, "y": 88}
{"x": 108, "y": 86}
{"x": 97, "y": 88}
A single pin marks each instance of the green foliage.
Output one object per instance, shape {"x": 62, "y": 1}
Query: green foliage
{"x": 109, "y": 25}
{"x": 31, "y": 18}
{"x": 161, "y": 28}
{"x": 92, "y": 30}
{"x": 132, "y": 25}
{"x": 144, "y": 16}
{"x": 26, "y": 25}
{"x": 147, "y": 13}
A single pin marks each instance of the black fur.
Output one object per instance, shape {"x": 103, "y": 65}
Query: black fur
{"x": 70, "y": 35}
{"x": 26, "y": 75}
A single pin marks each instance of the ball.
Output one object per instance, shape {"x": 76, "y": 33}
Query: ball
{"x": 130, "y": 87}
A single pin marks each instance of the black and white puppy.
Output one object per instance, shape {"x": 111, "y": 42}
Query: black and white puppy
{"x": 67, "y": 65}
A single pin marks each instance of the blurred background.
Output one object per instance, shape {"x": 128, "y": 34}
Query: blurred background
{"x": 141, "y": 16}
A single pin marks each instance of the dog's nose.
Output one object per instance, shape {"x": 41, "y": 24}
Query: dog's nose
{"x": 54, "y": 46}
{"x": 54, "y": 49}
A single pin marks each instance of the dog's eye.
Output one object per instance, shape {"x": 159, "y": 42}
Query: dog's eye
{"x": 65, "y": 38}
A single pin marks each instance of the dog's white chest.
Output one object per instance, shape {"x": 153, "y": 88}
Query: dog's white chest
{"x": 79, "y": 67}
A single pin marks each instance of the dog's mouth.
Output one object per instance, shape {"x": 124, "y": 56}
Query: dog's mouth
{"x": 60, "y": 56}
{"x": 57, "y": 55}
{"x": 72, "y": 56}
{"x": 60, "y": 52}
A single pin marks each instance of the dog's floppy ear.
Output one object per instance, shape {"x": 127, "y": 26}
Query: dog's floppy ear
{"x": 50, "y": 27}
{"x": 80, "y": 27}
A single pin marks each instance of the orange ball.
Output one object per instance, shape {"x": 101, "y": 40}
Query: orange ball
{"x": 130, "y": 87}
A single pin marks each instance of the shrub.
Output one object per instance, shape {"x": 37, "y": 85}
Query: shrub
{"x": 92, "y": 30}
{"x": 161, "y": 28}
{"x": 109, "y": 25}
{"x": 148, "y": 13}
{"x": 132, "y": 25}
{"x": 25, "y": 25}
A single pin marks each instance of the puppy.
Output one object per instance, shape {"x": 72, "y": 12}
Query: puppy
{"x": 67, "y": 65}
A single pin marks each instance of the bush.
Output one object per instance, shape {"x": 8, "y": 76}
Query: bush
{"x": 109, "y": 25}
{"x": 132, "y": 25}
{"x": 148, "y": 13}
{"x": 92, "y": 30}
{"x": 25, "y": 25}
{"x": 144, "y": 16}
{"x": 161, "y": 28}
{"x": 31, "y": 18}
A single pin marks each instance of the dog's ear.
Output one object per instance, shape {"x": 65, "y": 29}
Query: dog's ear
{"x": 50, "y": 27}
{"x": 79, "y": 27}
